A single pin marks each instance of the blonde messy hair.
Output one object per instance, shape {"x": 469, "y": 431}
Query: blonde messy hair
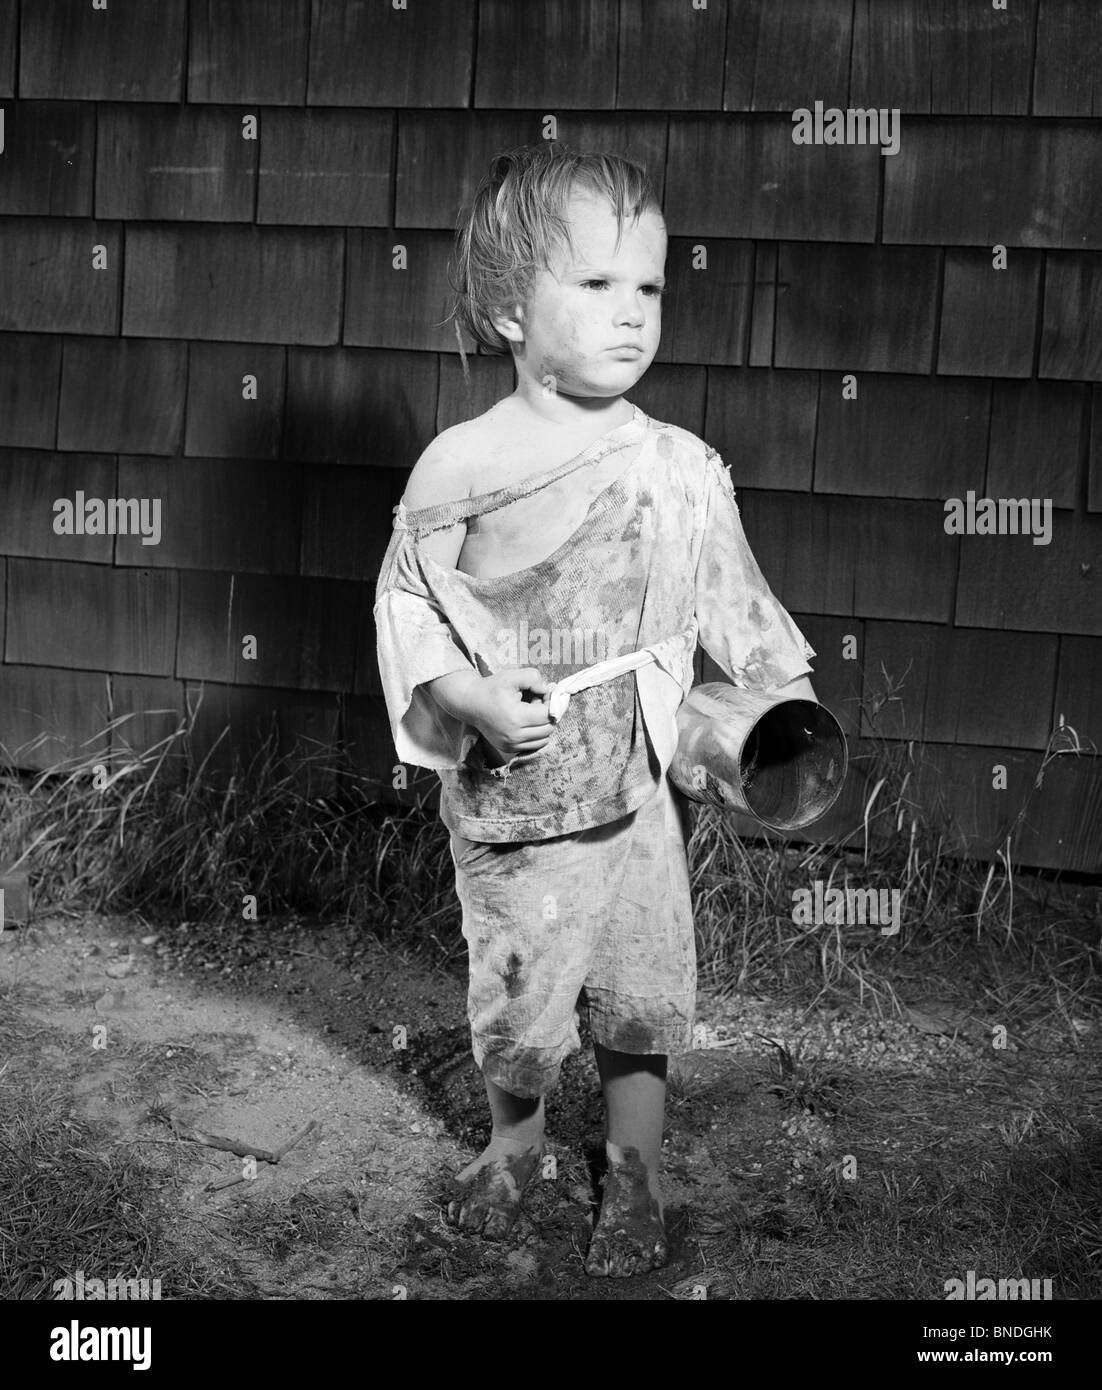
{"x": 517, "y": 218}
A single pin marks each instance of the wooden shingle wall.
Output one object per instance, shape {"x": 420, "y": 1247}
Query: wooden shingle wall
{"x": 215, "y": 320}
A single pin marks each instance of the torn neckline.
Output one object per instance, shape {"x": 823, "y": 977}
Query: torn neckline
{"x": 440, "y": 514}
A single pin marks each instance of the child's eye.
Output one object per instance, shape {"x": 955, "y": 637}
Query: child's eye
{"x": 655, "y": 290}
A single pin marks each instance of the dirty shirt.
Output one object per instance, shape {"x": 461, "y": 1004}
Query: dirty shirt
{"x": 659, "y": 562}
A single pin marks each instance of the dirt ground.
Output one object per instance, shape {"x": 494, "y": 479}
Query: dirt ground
{"x": 763, "y": 1170}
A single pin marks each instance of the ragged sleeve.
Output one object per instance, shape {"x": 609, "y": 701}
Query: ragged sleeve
{"x": 743, "y": 627}
{"x": 416, "y": 643}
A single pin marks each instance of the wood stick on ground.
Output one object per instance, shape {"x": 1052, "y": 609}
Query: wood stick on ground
{"x": 215, "y": 1141}
{"x": 271, "y": 1161}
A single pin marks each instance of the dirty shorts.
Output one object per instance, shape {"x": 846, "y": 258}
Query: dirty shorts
{"x": 601, "y": 918}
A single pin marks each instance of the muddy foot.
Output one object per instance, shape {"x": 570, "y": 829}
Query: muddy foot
{"x": 630, "y": 1237}
{"x": 485, "y": 1197}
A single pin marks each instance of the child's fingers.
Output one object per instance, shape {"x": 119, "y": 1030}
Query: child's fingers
{"x": 525, "y": 678}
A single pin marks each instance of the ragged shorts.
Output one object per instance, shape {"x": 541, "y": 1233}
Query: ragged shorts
{"x": 601, "y": 919}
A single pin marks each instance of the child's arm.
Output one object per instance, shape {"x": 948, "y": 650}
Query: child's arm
{"x": 437, "y": 702}
{"x": 743, "y": 627}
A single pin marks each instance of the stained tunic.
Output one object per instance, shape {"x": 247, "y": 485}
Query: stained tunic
{"x": 659, "y": 562}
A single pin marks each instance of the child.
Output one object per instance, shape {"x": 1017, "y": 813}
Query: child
{"x": 560, "y": 529}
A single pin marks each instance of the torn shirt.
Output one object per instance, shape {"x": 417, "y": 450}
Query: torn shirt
{"x": 659, "y": 562}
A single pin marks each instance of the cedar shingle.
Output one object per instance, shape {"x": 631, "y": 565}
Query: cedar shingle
{"x": 862, "y": 450}
{"x": 265, "y": 284}
{"x": 1071, "y": 339}
{"x": 305, "y": 629}
{"x": 220, "y": 421}
{"x": 47, "y": 280}
{"x": 442, "y": 157}
{"x": 1067, "y": 78}
{"x": 689, "y": 73}
{"x": 68, "y": 707}
{"x": 127, "y": 51}
{"x": 48, "y": 148}
{"x": 1063, "y": 826}
{"x": 155, "y": 707}
{"x": 346, "y": 521}
{"x": 30, "y": 484}
{"x": 828, "y": 570}
{"x": 406, "y": 308}
{"x": 951, "y": 786}
{"x": 1079, "y": 687}
{"x": 253, "y": 715}
{"x": 376, "y": 55}
{"x": 1008, "y": 582}
{"x": 492, "y": 378}
{"x": 954, "y": 56}
{"x": 557, "y": 55}
{"x": 354, "y": 405}
{"x": 764, "y": 311}
{"x": 216, "y": 514}
{"x": 770, "y": 186}
{"x": 174, "y": 163}
{"x": 763, "y": 423}
{"x": 326, "y": 168}
{"x": 976, "y": 182}
{"x": 250, "y": 51}
{"x": 370, "y": 749}
{"x": 934, "y": 674}
{"x": 122, "y": 394}
{"x": 91, "y": 617}
{"x": 1035, "y": 423}
{"x": 9, "y": 11}
{"x": 780, "y": 57}
{"x": 705, "y": 313}
{"x": 674, "y": 395}
{"x": 30, "y": 374}
{"x": 856, "y": 308}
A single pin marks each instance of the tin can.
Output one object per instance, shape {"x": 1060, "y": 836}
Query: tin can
{"x": 780, "y": 760}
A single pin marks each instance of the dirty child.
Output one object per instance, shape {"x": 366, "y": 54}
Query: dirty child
{"x": 564, "y": 524}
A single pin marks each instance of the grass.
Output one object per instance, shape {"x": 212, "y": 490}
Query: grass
{"x": 160, "y": 834}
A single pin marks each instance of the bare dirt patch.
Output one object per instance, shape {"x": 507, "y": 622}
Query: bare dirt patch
{"x": 822, "y": 1153}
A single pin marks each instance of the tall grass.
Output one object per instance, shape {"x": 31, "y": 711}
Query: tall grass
{"x": 163, "y": 833}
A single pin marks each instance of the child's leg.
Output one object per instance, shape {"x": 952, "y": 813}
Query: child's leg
{"x": 630, "y": 1237}
{"x": 493, "y": 1183}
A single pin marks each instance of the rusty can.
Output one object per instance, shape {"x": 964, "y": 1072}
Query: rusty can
{"x": 780, "y": 760}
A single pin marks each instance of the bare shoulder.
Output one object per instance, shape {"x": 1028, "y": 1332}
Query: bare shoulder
{"x": 442, "y": 473}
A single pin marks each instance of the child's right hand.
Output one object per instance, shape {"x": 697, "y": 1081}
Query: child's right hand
{"x": 512, "y": 711}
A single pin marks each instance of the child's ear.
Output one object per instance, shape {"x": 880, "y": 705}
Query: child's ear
{"x": 509, "y": 323}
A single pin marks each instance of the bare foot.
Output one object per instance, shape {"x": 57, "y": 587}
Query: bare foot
{"x": 630, "y": 1237}
{"x": 486, "y": 1194}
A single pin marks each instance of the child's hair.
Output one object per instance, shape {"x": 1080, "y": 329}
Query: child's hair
{"x": 517, "y": 217}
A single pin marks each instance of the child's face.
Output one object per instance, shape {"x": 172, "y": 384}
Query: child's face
{"x": 581, "y": 310}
